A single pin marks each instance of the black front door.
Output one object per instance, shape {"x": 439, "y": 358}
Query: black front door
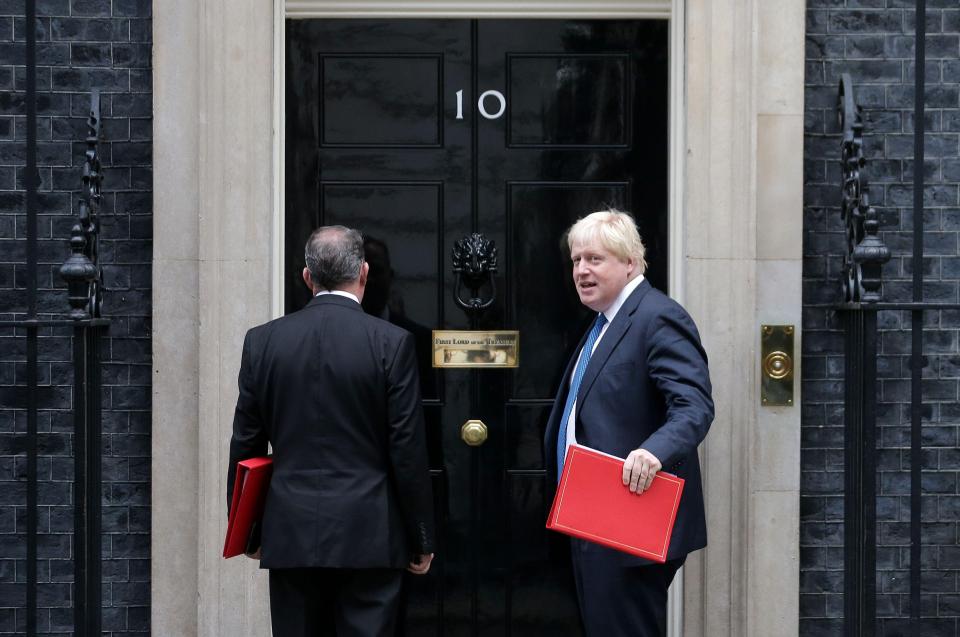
{"x": 420, "y": 132}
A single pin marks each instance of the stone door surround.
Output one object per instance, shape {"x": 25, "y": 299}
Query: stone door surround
{"x": 736, "y": 212}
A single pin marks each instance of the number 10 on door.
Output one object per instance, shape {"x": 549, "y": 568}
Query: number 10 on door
{"x": 481, "y": 104}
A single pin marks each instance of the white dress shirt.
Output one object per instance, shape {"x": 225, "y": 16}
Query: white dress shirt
{"x": 347, "y": 295}
{"x": 609, "y": 313}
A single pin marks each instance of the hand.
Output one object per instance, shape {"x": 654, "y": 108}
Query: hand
{"x": 639, "y": 469}
{"x": 254, "y": 556}
{"x": 421, "y": 564}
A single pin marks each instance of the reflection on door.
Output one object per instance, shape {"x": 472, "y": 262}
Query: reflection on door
{"x": 386, "y": 132}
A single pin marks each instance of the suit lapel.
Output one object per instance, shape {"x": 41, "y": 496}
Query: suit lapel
{"x": 611, "y": 338}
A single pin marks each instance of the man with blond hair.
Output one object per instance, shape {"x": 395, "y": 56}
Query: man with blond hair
{"x": 637, "y": 387}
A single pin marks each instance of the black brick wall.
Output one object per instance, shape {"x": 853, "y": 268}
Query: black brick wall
{"x": 82, "y": 44}
{"x": 873, "y": 40}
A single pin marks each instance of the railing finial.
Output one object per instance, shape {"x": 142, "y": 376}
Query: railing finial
{"x": 866, "y": 253}
{"x": 82, "y": 270}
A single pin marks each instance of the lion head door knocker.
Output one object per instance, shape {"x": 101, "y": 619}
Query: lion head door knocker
{"x": 475, "y": 264}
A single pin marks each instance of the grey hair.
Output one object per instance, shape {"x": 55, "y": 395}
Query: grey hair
{"x": 334, "y": 256}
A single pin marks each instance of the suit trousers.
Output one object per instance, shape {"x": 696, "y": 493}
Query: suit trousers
{"x": 316, "y": 602}
{"x": 619, "y": 600}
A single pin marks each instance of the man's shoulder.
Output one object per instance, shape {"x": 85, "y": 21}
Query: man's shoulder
{"x": 656, "y": 310}
{"x": 268, "y": 326}
{"x": 286, "y": 323}
{"x": 656, "y": 302}
{"x": 391, "y": 330}
{"x": 257, "y": 331}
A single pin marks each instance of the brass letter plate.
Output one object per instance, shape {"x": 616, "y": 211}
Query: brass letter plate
{"x": 776, "y": 365}
{"x": 468, "y": 348}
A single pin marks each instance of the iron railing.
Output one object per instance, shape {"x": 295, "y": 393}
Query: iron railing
{"x": 84, "y": 279}
{"x": 862, "y": 301}
{"x": 861, "y": 289}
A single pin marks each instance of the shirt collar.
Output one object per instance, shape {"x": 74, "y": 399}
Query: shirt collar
{"x": 347, "y": 295}
{"x": 611, "y": 312}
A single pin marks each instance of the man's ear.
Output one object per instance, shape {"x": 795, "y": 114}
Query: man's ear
{"x": 307, "y": 279}
{"x": 362, "y": 280}
{"x": 364, "y": 273}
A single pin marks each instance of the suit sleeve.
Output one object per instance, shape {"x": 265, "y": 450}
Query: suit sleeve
{"x": 408, "y": 447}
{"x": 677, "y": 365}
{"x": 249, "y": 434}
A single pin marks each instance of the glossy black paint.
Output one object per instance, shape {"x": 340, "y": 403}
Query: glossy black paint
{"x": 373, "y": 142}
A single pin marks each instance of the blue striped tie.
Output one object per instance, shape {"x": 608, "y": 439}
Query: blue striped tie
{"x": 575, "y": 387}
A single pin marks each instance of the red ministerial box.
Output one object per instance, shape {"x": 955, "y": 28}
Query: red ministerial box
{"x": 593, "y": 504}
{"x": 246, "y": 507}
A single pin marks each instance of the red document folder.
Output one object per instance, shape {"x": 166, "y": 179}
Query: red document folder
{"x": 246, "y": 508}
{"x": 592, "y": 504}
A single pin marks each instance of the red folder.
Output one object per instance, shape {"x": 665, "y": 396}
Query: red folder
{"x": 246, "y": 508}
{"x": 592, "y": 504}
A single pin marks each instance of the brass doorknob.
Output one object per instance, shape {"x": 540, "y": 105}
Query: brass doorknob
{"x": 474, "y": 433}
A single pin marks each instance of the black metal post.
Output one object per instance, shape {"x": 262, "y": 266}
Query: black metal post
{"x": 30, "y": 179}
{"x": 860, "y": 519}
{"x": 80, "y": 514}
{"x": 916, "y": 322}
{"x": 32, "y": 527}
{"x": 87, "y": 480}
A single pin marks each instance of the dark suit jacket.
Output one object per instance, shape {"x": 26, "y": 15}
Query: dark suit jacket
{"x": 646, "y": 385}
{"x": 335, "y": 392}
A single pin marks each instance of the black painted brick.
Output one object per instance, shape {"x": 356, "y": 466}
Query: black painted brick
{"x": 82, "y": 44}
{"x": 873, "y": 40}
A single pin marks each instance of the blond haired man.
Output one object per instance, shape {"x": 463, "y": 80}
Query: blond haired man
{"x": 637, "y": 387}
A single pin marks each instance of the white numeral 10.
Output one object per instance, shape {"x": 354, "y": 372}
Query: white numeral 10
{"x": 481, "y": 104}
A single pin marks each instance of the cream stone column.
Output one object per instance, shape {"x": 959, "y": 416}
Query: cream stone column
{"x": 176, "y": 325}
{"x": 213, "y": 201}
{"x": 236, "y": 135}
{"x": 744, "y": 255}
{"x": 774, "y": 542}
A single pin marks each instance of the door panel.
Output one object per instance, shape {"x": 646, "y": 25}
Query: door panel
{"x": 374, "y": 141}
{"x": 396, "y": 96}
{"x": 568, "y": 100}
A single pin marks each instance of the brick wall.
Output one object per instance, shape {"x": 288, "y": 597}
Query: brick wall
{"x": 873, "y": 40}
{"x": 82, "y": 44}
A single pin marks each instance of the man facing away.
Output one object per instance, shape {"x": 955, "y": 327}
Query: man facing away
{"x": 335, "y": 392}
{"x": 637, "y": 387}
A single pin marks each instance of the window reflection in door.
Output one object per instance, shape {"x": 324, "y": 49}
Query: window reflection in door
{"x": 384, "y": 300}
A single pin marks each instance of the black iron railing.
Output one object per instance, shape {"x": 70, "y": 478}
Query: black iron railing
{"x": 84, "y": 279}
{"x": 861, "y": 289}
{"x": 862, "y": 300}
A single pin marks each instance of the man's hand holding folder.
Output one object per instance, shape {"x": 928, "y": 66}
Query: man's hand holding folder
{"x": 594, "y": 503}
{"x": 639, "y": 469}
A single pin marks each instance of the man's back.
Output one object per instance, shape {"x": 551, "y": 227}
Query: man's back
{"x": 336, "y": 393}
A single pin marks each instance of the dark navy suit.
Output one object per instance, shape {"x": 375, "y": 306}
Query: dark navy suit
{"x": 647, "y": 385}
